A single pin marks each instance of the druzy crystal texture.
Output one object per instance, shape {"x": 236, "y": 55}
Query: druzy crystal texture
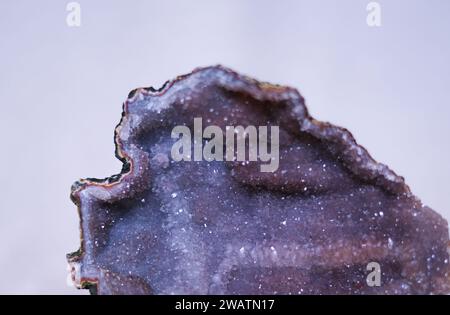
{"x": 316, "y": 225}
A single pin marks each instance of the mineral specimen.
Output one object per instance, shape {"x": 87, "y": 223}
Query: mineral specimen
{"x": 327, "y": 220}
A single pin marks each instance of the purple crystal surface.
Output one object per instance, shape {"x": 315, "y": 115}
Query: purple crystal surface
{"x": 224, "y": 227}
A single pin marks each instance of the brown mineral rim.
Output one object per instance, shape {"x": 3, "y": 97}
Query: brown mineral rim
{"x": 313, "y": 226}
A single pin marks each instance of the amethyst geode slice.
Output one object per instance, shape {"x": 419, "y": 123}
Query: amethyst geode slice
{"x": 315, "y": 225}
